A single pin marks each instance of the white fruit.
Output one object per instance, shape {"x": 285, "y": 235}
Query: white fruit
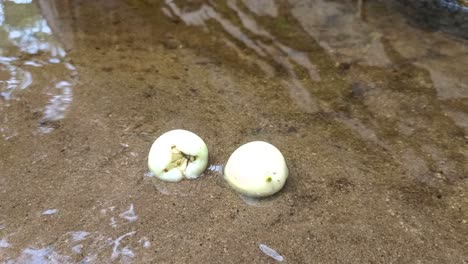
{"x": 177, "y": 154}
{"x": 256, "y": 169}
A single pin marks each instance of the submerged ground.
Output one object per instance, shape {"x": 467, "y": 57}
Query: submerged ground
{"x": 367, "y": 100}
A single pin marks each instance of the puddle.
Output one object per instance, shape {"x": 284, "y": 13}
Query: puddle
{"x": 366, "y": 99}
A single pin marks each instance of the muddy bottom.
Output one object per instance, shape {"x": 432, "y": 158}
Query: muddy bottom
{"x": 367, "y": 102}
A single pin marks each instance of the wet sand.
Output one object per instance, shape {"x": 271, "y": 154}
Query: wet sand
{"x": 368, "y": 106}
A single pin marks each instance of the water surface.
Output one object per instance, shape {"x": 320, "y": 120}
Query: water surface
{"x": 367, "y": 100}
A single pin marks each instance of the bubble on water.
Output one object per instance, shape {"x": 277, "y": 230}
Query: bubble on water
{"x": 271, "y": 252}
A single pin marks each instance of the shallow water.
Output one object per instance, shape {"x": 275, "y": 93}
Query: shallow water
{"x": 367, "y": 100}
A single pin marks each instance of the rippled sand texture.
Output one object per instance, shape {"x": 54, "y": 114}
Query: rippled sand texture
{"x": 367, "y": 100}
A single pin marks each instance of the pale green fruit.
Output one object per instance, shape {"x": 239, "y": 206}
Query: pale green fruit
{"x": 177, "y": 154}
{"x": 256, "y": 169}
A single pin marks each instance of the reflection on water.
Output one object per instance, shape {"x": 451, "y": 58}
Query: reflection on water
{"x": 129, "y": 215}
{"x": 444, "y": 15}
{"x": 266, "y": 50}
{"x": 50, "y": 212}
{"x": 4, "y": 243}
{"x": 79, "y": 235}
{"x": 28, "y": 50}
{"x": 271, "y": 252}
{"x": 40, "y": 256}
{"x": 358, "y": 36}
{"x": 262, "y": 7}
{"x": 84, "y": 246}
{"x": 117, "y": 251}
{"x": 339, "y": 29}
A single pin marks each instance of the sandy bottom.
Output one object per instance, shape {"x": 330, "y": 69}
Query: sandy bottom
{"x": 368, "y": 106}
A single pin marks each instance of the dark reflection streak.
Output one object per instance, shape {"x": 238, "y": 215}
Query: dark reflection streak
{"x": 285, "y": 56}
{"x": 51, "y": 12}
{"x": 361, "y": 10}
